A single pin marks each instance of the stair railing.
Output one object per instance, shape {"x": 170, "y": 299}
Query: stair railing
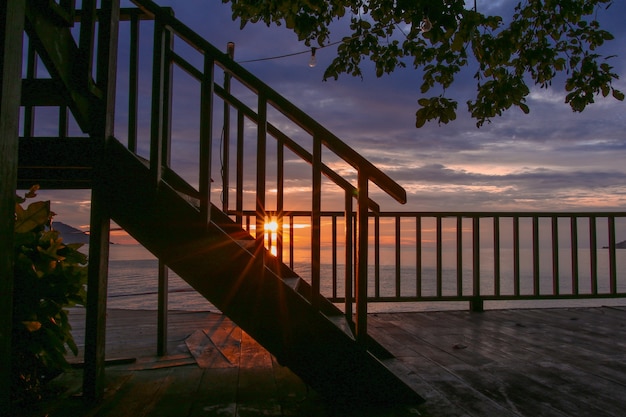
{"x": 265, "y": 113}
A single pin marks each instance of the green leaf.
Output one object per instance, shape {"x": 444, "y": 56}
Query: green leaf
{"x": 420, "y": 118}
{"x": 36, "y": 215}
{"x": 524, "y": 108}
{"x": 618, "y": 95}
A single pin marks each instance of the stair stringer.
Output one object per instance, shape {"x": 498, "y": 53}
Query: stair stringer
{"x": 243, "y": 287}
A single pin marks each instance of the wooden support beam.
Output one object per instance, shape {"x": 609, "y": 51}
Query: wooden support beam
{"x": 11, "y": 35}
{"x": 93, "y": 377}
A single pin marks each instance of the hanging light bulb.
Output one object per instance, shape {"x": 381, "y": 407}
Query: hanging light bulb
{"x": 425, "y": 25}
{"x": 313, "y": 60}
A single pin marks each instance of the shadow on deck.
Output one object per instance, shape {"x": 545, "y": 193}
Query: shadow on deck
{"x": 539, "y": 362}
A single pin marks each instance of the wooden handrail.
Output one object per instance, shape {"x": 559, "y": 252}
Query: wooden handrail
{"x": 289, "y": 110}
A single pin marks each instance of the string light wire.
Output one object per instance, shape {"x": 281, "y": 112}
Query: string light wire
{"x": 308, "y": 51}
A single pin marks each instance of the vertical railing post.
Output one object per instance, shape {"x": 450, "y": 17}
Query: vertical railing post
{"x": 612, "y": 259}
{"x": 63, "y": 121}
{"x": 574, "y": 249}
{"x": 29, "y": 110}
{"x": 84, "y": 60}
{"x": 280, "y": 197}
{"x": 516, "y": 257}
{"x": 398, "y": 257}
{"x": 166, "y": 99}
{"x": 536, "y": 269}
{"x": 439, "y": 243}
{"x": 459, "y": 255}
{"x": 230, "y": 51}
{"x": 291, "y": 236}
{"x": 349, "y": 256}
{"x": 206, "y": 138}
{"x": 361, "y": 257}
{"x": 377, "y": 256}
{"x": 476, "y": 304}
{"x": 157, "y": 112}
{"x": 496, "y": 255}
{"x": 418, "y": 256}
{"x": 316, "y": 208}
{"x": 556, "y": 287}
{"x": 261, "y": 156}
{"x": 239, "y": 163}
{"x": 133, "y": 82}
{"x": 593, "y": 254}
{"x": 334, "y": 254}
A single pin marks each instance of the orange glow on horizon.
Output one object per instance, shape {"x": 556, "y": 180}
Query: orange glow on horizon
{"x": 271, "y": 235}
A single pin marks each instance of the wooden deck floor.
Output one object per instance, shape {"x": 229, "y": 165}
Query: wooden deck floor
{"x": 543, "y": 362}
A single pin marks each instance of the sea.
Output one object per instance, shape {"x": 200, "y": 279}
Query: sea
{"x": 133, "y": 283}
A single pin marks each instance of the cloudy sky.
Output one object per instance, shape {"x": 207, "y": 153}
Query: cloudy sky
{"x": 552, "y": 159}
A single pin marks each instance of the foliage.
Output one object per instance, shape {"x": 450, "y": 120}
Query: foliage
{"x": 49, "y": 276}
{"x": 543, "y": 38}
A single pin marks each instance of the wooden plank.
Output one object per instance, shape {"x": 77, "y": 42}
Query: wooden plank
{"x": 218, "y": 389}
{"x": 257, "y": 387}
{"x": 139, "y": 395}
{"x": 179, "y": 397}
{"x": 206, "y": 353}
{"x": 226, "y": 337}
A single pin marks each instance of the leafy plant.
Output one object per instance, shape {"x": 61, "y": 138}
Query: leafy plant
{"x": 49, "y": 276}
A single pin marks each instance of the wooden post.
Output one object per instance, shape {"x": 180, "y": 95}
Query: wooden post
{"x": 93, "y": 377}
{"x": 362, "y": 220}
{"x": 162, "y": 309}
{"x": 11, "y": 35}
{"x": 477, "y": 303}
{"x": 349, "y": 256}
{"x": 230, "y": 50}
{"x": 316, "y": 227}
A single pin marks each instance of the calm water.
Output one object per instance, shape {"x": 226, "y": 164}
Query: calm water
{"x": 133, "y": 282}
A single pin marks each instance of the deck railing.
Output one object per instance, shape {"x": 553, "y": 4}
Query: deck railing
{"x": 472, "y": 257}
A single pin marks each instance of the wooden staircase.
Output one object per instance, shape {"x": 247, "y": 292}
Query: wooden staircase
{"x": 264, "y": 297}
{"x": 207, "y": 246}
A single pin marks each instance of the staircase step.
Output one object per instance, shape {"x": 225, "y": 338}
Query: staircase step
{"x": 342, "y": 323}
{"x": 293, "y": 282}
{"x": 248, "y": 244}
